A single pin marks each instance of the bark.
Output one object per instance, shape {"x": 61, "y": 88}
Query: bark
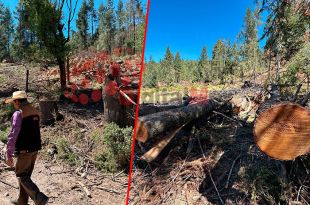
{"x": 155, "y": 124}
{"x": 62, "y": 69}
{"x": 47, "y": 110}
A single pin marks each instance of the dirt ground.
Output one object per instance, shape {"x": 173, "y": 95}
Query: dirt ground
{"x": 62, "y": 185}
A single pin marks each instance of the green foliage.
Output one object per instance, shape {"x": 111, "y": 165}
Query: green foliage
{"x": 4, "y": 134}
{"x": 6, "y": 31}
{"x": 250, "y": 51}
{"x": 265, "y": 186}
{"x": 299, "y": 64}
{"x": 6, "y": 111}
{"x": 150, "y": 74}
{"x": 203, "y": 69}
{"x": 64, "y": 151}
{"x": 117, "y": 147}
{"x": 286, "y": 26}
{"x": 82, "y": 25}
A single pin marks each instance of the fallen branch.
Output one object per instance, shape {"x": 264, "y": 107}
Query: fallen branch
{"x": 230, "y": 171}
{"x": 156, "y": 150}
{"x": 107, "y": 189}
{"x": 85, "y": 189}
{"x": 8, "y": 184}
{"x": 229, "y": 118}
{"x": 297, "y": 92}
{"x": 217, "y": 191}
{"x": 305, "y": 100}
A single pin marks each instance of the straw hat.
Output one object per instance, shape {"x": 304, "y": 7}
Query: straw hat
{"x": 17, "y": 95}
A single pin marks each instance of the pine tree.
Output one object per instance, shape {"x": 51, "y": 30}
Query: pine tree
{"x": 21, "y": 40}
{"x": 120, "y": 22}
{"x": 134, "y": 16}
{"x": 250, "y": 49}
{"x": 150, "y": 73}
{"x": 9, "y": 30}
{"x": 218, "y": 60}
{"x": 109, "y": 26}
{"x": 203, "y": 70}
{"x": 287, "y": 27}
{"x": 177, "y": 64}
{"x": 2, "y": 34}
{"x": 166, "y": 68}
{"x": 92, "y": 17}
{"x": 82, "y": 25}
{"x": 46, "y": 21}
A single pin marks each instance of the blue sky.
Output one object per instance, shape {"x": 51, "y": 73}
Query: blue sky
{"x": 12, "y": 5}
{"x": 186, "y": 26}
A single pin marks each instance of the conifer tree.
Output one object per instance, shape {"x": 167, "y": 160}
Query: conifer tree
{"x": 177, "y": 67}
{"x": 82, "y": 25}
{"x": 203, "y": 66}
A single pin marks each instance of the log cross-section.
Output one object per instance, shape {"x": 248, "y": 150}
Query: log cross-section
{"x": 152, "y": 125}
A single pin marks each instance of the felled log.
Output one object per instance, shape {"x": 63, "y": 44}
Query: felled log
{"x": 150, "y": 108}
{"x": 156, "y": 150}
{"x": 152, "y": 125}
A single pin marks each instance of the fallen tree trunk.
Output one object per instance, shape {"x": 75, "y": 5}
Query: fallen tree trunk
{"x": 156, "y": 150}
{"x": 152, "y": 125}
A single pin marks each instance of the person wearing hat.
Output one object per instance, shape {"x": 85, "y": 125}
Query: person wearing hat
{"x": 24, "y": 142}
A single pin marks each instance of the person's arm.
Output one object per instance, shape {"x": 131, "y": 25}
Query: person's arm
{"x": 12, "y": 137}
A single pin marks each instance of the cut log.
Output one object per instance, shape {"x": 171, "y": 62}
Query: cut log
{"x": 152, "y": 125}
{"x": 156, "y": 150}
{"x": 146, "y": 109}
{"x": 281, "y": 129}
{"x": 283, "y": 132}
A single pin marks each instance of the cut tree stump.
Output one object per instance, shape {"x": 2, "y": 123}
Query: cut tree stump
{"x": 117, "y": 108}
{"x": 47, "y": 108}
{"x": 283, "y": 131}
{"x": 152, "y": 125}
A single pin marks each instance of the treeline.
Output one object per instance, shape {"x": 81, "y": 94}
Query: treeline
{"x": 286, "y": 32}
{"x": 227, "y": 60}
{"x": 116, "y": 29}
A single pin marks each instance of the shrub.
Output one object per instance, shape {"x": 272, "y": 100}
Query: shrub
{"x": 4, "y": 134}
{"x": 64, "y": 151}
{"x": 116, "y": 144}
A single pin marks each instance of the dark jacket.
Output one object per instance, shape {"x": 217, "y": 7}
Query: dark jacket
{"x": 29, "y": 137}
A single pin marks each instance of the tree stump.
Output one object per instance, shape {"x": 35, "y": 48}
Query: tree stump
{"x": 115, "y": 109}
{"x": 47, "y": 108}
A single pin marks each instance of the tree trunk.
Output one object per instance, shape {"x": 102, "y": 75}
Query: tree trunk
{"x": 47, "y": 108}
{"x": 155, "y": 124}
{"x": 62, "y": 72}
{"x": 115, "y": 111}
